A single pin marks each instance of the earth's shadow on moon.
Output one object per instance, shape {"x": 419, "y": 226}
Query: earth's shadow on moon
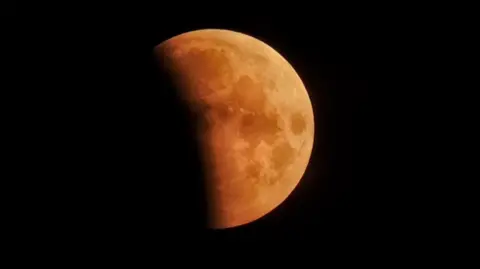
{"x": 186, "y": 187}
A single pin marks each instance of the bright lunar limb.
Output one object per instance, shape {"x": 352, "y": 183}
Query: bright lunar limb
{"x": 256, "y": 119}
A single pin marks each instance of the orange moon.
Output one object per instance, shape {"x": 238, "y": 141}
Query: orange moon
{"x": 256, "y": 124}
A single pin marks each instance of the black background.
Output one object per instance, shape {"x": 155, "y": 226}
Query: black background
{"x": 126, "y": 150}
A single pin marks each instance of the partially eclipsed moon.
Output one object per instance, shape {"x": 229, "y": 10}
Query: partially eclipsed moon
{"x": 256, "y": 124}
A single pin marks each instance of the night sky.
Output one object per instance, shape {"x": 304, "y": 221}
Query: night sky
{"x": 135, "y": 172}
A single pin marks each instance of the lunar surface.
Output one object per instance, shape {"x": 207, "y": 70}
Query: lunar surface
{"x": 255, "y": 125}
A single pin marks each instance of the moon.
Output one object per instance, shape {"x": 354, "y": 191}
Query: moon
{"x": 256, "y": 122}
